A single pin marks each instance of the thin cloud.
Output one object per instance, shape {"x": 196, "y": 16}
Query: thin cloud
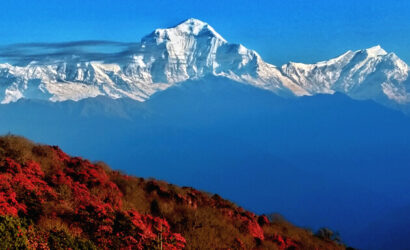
{"x": 77, "y": 51}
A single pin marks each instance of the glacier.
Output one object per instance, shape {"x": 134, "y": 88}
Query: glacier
{"x": 193, "y": 50}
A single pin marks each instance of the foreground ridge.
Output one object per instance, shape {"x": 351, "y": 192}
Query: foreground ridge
{"x": 194, "y": 50}
{"x": 49, "y": 200}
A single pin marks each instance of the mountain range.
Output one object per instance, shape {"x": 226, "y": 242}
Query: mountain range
{"x": 193, "y": 50}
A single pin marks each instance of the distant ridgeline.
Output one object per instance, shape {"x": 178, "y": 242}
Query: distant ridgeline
{"x": 49, "y": 200}
{"x": 191, "y": 50}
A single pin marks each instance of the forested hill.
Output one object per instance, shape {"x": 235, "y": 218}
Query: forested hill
{"x": 50, "y": 200}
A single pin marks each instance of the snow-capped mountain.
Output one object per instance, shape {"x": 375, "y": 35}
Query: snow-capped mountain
{"x": 194, "y": 50}
{"x": 365, "y": 74}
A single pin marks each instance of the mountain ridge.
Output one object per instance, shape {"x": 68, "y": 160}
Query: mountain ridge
{"x": 194, "y": 50}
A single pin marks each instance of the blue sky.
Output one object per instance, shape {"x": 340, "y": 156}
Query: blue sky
{"x": 281, "y": 31}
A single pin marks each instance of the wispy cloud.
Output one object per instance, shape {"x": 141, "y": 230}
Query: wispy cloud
{"x": 93, "y": 50}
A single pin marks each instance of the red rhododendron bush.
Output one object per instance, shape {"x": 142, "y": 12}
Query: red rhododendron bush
{"x": 49, "y": 200}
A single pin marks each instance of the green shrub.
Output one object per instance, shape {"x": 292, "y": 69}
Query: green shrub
{"x": 12, "y": 233}
{"x": 328, "y": 235}
{"x": 62, "y": 240}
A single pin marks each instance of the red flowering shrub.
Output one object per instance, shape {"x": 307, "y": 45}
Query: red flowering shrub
{"x": 96, "y": 203}
{"x": 22, "y": 188}
{"x": 8, "y": 202}
{"x": 284, "y": 242}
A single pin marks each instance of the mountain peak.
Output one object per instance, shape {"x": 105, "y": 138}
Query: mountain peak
{"x": 376, "y": 51}
{"x": 193, "y": 26}
{"x": 193, "y": 22}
